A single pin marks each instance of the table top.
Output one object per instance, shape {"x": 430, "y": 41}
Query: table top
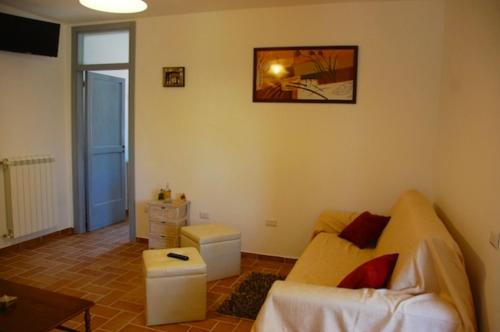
{"x": 36, "y": 309}
{"x": 158, "y": 264}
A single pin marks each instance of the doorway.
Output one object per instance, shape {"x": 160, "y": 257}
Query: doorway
{"x": 103, "y": 150}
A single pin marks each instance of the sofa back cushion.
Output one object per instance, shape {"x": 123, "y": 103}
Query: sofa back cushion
{"x": 413, "y": 230}
{"x": 365, "y": 230}
{"x": 429, "y": 259}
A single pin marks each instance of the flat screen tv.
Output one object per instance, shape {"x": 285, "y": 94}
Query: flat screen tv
{"x": 25, "y": 35}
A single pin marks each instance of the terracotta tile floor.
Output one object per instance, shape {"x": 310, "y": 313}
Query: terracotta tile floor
{"x": 104, "y": 267}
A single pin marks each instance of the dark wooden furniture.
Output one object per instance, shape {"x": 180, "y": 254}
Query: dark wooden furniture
{"x": 38, "y": 310}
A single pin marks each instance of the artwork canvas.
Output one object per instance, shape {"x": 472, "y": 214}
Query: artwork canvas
{"x": 312, "y": 74}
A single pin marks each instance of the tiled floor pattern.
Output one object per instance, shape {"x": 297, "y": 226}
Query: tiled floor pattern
{"x": 104, "y": 267}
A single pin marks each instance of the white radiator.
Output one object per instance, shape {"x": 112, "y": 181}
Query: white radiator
{"x": 29, "y": 195}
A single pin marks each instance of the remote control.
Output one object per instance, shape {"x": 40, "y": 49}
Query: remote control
{"x": 178, "y": 256}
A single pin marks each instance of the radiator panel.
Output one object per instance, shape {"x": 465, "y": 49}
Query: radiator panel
{"x": 29, "y": 194}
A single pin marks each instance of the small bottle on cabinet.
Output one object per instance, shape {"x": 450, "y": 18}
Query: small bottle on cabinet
{"x": 161, "y": 195}
{"x": 168, "y": 193}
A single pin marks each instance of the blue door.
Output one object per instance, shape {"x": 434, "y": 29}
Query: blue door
{"x": 105, "y": 98}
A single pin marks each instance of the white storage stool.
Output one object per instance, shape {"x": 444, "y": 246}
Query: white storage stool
{"x": 219, "y": 245}
{"x": 176, "y": 290}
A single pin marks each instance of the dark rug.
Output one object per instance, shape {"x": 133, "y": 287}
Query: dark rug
{"x": 246, "y": 301}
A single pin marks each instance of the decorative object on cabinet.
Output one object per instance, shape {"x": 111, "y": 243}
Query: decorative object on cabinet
{"x": 173, "y": 77}
{"x": 165, "y": 222}
{"x": 312, "y": 74}
{"x": 165, "y": 194}
{"x": 161, "y": 195}
{"x": 180, "y": 197}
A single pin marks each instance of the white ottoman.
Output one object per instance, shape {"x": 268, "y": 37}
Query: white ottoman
{"x": 219, "y": 245}
{"x": 176, "y": 290}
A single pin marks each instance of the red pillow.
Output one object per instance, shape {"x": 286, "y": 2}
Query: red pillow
{"x": 365, "y": 230}
{"x": 372, "y": 274}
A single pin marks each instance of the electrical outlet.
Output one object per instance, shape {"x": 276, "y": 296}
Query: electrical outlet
{"x": 271, "y": 222}
{"x": 495, "y": 239}
{"x": 204, "y": 215}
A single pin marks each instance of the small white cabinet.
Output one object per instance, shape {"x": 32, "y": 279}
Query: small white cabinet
{"x": 165, "y": 222}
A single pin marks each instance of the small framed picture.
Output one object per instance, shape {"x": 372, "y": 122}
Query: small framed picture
{"x": 173, "y": 77}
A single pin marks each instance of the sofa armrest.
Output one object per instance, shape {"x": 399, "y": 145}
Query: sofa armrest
{"x": 333, "y": 221}
{"x": 293, "y": 306}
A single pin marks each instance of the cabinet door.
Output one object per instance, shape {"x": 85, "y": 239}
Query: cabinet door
{"x": 167, "y": 213}
{"x": 162, "y": 241}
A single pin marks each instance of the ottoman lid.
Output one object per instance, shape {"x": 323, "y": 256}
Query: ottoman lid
{"x": 210, "y": 233}
{"x": 157, "y": 264}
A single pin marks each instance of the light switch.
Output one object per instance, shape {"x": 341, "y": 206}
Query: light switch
{"x": 271, "y": 222}
{"x": 495, "y": 239}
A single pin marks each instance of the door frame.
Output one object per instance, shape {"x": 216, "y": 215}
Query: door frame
{"x": 78, "y": 129}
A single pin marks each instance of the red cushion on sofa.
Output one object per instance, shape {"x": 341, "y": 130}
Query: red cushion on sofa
{"x": 372, "y": 274}
{"x": 365, "y": 230}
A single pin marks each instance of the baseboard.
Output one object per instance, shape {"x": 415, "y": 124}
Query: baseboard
{"x": 141, "y": 240}
{"x": 246, "y": 254}
{"x": 264, "y": 257}
{"x": 40, "y": 239}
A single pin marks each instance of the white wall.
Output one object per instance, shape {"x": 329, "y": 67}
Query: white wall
{"x": 244, "y": 162}
{"x": 35, "y": 117}
{"x": 468, "y": 174}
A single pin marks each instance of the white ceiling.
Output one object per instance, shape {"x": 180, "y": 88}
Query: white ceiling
{"x": 70, "y": 11}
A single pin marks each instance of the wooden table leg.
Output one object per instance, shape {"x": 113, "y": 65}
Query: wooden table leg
{"x": 87, "y": 320}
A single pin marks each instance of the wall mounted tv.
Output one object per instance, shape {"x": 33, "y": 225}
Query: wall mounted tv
{"x": 25, "y": 35}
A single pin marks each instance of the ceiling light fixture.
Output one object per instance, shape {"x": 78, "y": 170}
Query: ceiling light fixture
{"x": 116, "y": 6}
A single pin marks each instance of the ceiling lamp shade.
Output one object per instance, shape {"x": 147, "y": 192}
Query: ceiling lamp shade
{"x": 116, "y": 6}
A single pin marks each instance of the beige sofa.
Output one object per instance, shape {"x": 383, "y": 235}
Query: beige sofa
{"x": 428, "y": 290}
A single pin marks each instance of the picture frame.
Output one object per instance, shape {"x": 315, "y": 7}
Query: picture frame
{"x": 305, "y": 74}
{"x": 174, "y": 77}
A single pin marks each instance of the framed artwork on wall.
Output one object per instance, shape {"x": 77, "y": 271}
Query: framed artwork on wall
{"x": 173, "y": 77}
{"x": 309, "y": 74}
